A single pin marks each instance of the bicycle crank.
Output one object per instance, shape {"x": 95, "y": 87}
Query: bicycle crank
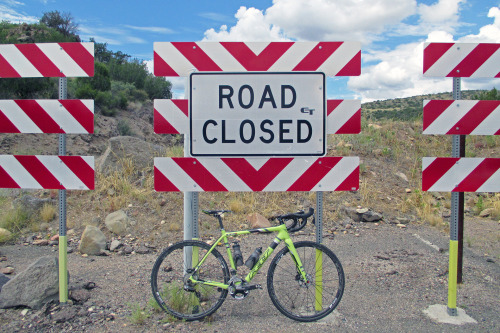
{"x": 238, "y": 289}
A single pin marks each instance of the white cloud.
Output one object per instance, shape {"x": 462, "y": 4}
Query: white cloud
{"x": 397, "y": 74}
{"x": 252, "y": 25}
{"x": 215, "y": 16}
{"x": 488, "y": 33}
{"x": 110, "y": 35}
{"x": 8, "y": 12}
{"x": 315, "y": 20}
{"x": 440, "y": 12}
{"x": 338, "y": 19}
{"x": 158, "y": 30}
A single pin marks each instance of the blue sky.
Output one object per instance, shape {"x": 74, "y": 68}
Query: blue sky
{"x": 391, "y": 32}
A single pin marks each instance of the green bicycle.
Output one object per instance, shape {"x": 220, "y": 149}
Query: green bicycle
{"x": 191, "y": 279}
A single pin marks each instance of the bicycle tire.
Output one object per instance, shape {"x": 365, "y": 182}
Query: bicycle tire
{"x": 187, "y": 301}
{"x": 301, "y": 301}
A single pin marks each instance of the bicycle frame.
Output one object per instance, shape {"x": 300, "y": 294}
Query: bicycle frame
{"x": 283, "y": 235}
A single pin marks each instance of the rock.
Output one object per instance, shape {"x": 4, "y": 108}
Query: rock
{"x": 54, "y": 238}
{"x": 30, "y": 204}
{"x": 371, "y": 216}
{"x": 361, "y": 214}
{"x": 258, "y": 221}
{"x": 7, "y": 270}
{"x": 127, "y": 147}
{"x": 5, "y": 235}
{"x": 41, "y": 242}
{"x": 3, "y": 280}
{"x": 65, "y": 314}
{"x": 401, "y": 225}
{"x": 34, "y": 286}
{"x": 80, "y": 296}
{"x": 402, "y": 176}
{"x": 115, "y": 244}
{"x": 142, "y": 250}
{"x": 486, "y": 212}
{"x": 352, "y": 213}
{"x": 93, "y": 241}
{"x": 446, "y": 213}
{"x": 127, "y": 250}
{"x": 118, "y": 222}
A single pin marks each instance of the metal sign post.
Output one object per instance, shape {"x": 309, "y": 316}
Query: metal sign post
{"x": 456, "y": 221}
{"x": 63, "y": 243}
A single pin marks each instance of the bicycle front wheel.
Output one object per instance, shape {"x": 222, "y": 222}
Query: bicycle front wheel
{"x": 306, "y": 300}
{"x": 176, "y": 293}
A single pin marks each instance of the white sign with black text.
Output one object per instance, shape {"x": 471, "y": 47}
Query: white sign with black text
{"x": 257, "y": 114}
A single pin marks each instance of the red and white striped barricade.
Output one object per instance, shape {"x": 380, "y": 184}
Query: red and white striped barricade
{"x": 171, "y": 116}
{"x": 47, "y": 172}
{"x": 47, "y": 60}
{"x": 331, "y": 58}
{"x": 448, "y": 174}
{"x": 256, "y": 174}
{"x": 47, "y": 116}
{"x": 474, "y": 60}
{"x": 461, "y": 117}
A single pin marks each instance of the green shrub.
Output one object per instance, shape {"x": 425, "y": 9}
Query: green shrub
{"x": 124, "y": 128}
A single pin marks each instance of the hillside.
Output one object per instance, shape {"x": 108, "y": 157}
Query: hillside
{"x": 409, "y": 108}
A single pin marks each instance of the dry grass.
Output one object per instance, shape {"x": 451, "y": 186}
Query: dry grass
{"x": 175, "y": 151}
{"x": 48, "y": 212}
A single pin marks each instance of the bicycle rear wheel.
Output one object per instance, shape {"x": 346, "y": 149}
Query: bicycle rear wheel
{"x": 298, "y": 299}
{"x": 175, "y": 293}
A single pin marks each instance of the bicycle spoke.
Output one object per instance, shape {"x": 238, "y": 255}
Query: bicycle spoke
{"x": 306, "y": 300}
{"x": 174, "y": 289}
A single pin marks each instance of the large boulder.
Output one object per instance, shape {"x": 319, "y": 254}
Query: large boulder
{"x": 127, "y": 147}
{"x": 93, "y": 241}
{"x": 33, "y": 287}
{"x": 118, "y": 222}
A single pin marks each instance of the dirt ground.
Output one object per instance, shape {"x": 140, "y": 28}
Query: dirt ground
{"x": 392, "y": 275}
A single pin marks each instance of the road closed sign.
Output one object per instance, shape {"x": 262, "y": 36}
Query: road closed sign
{"x": 257, "y": 114}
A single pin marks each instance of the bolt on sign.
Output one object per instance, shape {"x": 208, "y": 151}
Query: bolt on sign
{"x": 257, "y": 114}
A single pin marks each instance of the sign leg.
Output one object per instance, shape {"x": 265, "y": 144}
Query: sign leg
{"x": 63, "y": 253}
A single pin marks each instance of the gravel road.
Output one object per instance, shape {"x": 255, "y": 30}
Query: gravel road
{"x": 392, "y": 275}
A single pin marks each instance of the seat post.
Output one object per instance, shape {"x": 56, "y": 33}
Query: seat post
{"x": 220, "y": 221}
